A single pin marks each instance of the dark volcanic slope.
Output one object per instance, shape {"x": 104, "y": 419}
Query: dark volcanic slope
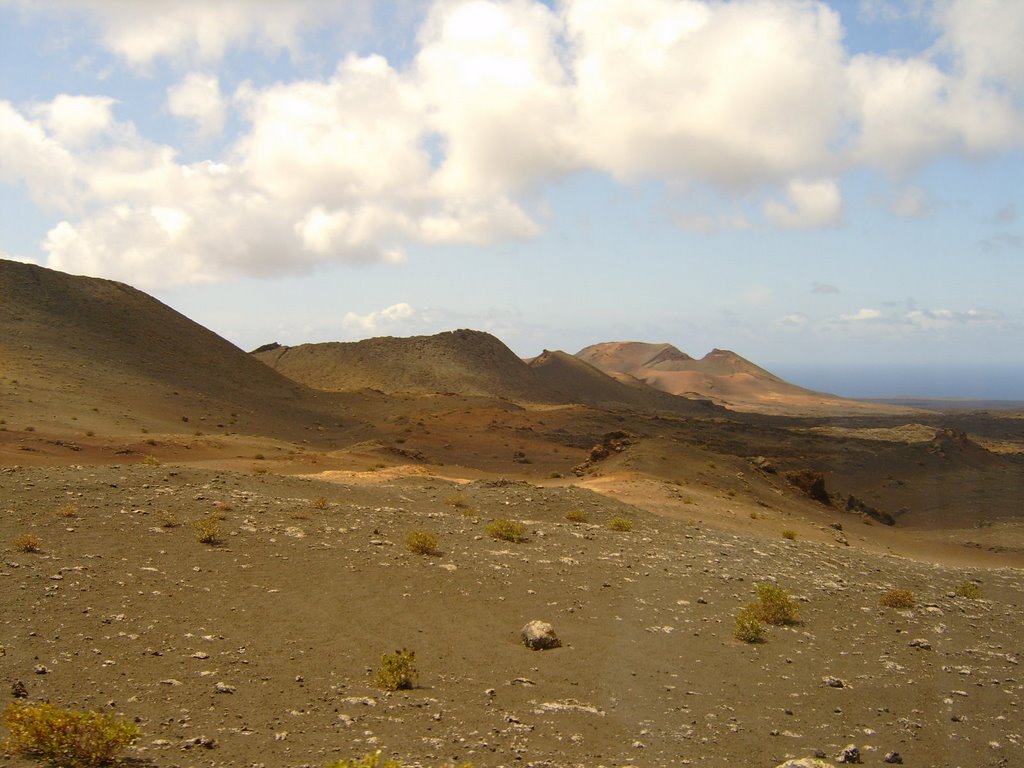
{"x": 463, "y": 362}
{"x": 86, "y": 344}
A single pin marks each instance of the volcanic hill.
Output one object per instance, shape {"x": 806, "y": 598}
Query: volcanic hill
{"x": 84, "y": 353}
{"x": 463, "y": 362}
{"x": 720, "y": 376}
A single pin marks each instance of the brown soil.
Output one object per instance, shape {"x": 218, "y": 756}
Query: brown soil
{"x": 309, "y": 583}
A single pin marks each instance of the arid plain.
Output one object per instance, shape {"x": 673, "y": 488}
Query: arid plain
{"x": 123, "y": 425}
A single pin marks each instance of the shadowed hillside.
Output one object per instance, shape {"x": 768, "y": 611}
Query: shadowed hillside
{"x": 97, "y": 349}
{"x": 581, "y": 381}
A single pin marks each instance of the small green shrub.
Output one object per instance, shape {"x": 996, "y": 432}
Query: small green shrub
{"x": 507, "y": 530}
{"x": 421, "y": 543}
{"x": 968, "y": 589}
{"x": 749, "y": 628}
{"x": 66, "y": 738}
{"x": 774, "y": 606}
{"x": 897, "y": 598}
{"x": 207, "y": 530}
{"x": 576, "y": 516}
{"x": 620, "y": 524}
{"x": 397, "y": 671}
{"x": 789, "y": 534}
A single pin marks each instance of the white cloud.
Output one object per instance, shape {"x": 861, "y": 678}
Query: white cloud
{"x": 198, "y": 99}
{"x": 662, "y": 92}
{"x": 985, "y": 36}
{"x": 914, "y": 319}
{"x": 810, "y": 204}
{"x": 908, "y": 111}
{"x": 497, "y": 94}
{"x": 796, "y": 320}
{"x": 142, "y": 32}
{"x": 497, "y": 100}
{"x": 823, "y": 288}
{"x": 306, "y": 184}
{"x": 379, "y": 321}
{"x": 326, "y": 142}
{"x": 29, "y": 155}
{"x": 76, "y": 120}
{"x": 862, "y": 315}
{"x": 939, "y": 319}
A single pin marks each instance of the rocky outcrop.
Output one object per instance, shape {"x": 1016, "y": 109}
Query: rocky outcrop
{"x": 810, "y": 483}
{"x": 853, "y": 504}
{"x": 611, "y": 443}
{"x": 949, "y": 442}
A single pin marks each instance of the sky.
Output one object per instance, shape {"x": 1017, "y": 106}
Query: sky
{"x": 824, "y": 188}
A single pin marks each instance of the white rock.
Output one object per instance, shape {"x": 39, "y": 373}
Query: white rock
{"x": 539, "y": 635}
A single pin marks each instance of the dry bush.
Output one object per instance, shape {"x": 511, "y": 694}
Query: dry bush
{"x": 372, "y": 760}
{"x": 457, "y": 500}
{"x": 620, "y": 524}
{"x": 166, "y": 519}
{"x": 749, "y": 628}
{"x": 897, "y": 598}
{"x": 207, "y": 530}
{"x": 320, "y": 503}
{"x": 27, "y": 542}
{"x": 774, "y": 606}
{"x": 68, "y": 510}
{"x": 65, "y": 738}
{"x": 576, "y": 516}
{"x": 507, "y": 530}
{"x": 968, "y": 589}
{"x": 422, "y": 543}
{"x": 151, "y": 461}
{"x": 397, "y": 671}
{"x": 789, "y": 534}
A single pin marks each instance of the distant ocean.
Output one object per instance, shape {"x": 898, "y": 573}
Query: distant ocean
{"x": 947, "y": 382}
